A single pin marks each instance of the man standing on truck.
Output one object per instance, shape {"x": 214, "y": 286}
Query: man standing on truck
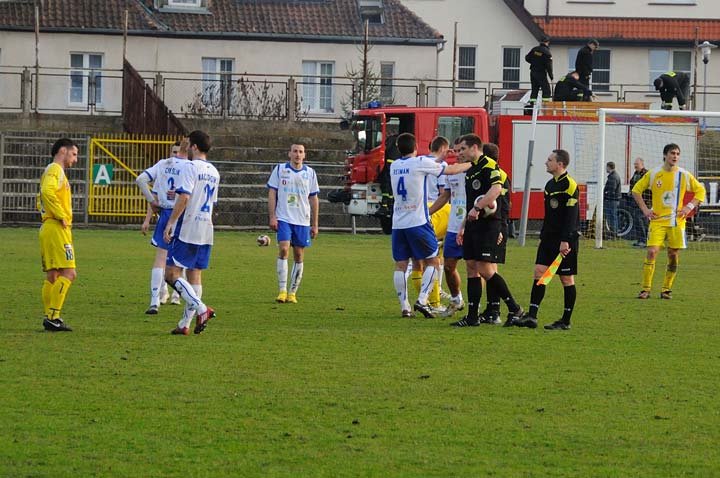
{"x": 673, "y": 85}
{"x": 540, "y": 60}
{"x": 584, "y": 61}
{"x": 412, "y": 234}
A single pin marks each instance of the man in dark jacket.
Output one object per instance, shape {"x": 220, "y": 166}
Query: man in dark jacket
{"x": 569, "y": 88}
{"x": 540, "y": 60}
{"x": 584, "y": 61}
{"x": 611, "y": 197}
{"x": 673, "y": 85}
{"x": 640, "y": 222}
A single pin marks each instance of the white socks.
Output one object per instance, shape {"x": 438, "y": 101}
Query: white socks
{"x": 187, "y": 292}
{"x": 157, "y": 278}
{"x": 400, "y": 282}
{"x": 282, "y": 272}
{"x": 189, "y": 313}
{"x": 296, "y": 276}
{"x": 427, "y": 284}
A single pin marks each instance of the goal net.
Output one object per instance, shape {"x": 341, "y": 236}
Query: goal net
{"x": 625, "y": 136}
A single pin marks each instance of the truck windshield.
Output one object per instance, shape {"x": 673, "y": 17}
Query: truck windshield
{"x": 368, "y": 132}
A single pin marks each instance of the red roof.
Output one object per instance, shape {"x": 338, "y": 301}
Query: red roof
{"x": 632, "y": 30}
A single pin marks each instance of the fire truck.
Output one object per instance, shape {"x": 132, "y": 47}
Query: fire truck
{"x": 376, "y": 128}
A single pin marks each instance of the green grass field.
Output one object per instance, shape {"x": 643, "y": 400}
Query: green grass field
{"x": 339, "y": 385}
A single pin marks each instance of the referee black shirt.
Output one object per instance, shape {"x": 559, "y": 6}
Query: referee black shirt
{"x": 482, "y": 175}
{"x": 562, "y": 211}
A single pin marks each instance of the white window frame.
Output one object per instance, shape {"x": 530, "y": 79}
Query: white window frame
{"x": 511, "y": 68}
{"x": 669, "y": 64}
{"x": 214, "y": 72}
{"x": 184, "y": 3}
{"x": 463, "y": 83}
{"x": 318, "y": 90}
{"x": 387, "y": 86}
{"x": 85, "y": 72}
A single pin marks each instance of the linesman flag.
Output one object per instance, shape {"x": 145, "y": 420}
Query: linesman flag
{"x": 551, "y": 270}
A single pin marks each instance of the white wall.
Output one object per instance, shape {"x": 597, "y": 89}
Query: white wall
{"x": 627, "y": 8}
{"x": 184, "y": 57}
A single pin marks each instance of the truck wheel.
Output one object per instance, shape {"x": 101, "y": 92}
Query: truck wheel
{"x": 386, "y": 225}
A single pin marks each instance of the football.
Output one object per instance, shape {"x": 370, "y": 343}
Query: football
{"x": 488, "y": 210}
{"x": 263, "y": 240}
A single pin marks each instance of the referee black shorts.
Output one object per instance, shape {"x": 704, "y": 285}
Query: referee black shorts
{"x": 481, "y": 242}
{"x": 548, "y": 251}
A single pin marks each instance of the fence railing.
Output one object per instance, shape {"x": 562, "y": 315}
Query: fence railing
{"x": 268, "y": 96}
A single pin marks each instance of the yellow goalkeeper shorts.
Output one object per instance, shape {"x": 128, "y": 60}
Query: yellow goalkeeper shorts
{"x": 439, "y": 221}
{"x": 56, "y": 247}
{"x": 674, "y": 235}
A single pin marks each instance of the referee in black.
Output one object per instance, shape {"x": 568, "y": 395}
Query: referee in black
{"x": 481, "y": 237}
{"x": 559, "y": 234}
{"x": 541, "y": 67}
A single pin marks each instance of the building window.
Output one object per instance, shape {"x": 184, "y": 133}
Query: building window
{"x": 662, "y": 61}
{"x": 455, "y": 126}
{"x": 600, "y": 80}
{"x": 318, "y": 86}
{"x": 217, "y": 87}
{"x": 511, "y": 67}
{"x": 85, "y": 83}
{"x": 387, "y": 72}
{"x": 185, "y": 3}
{"x": 466, "y": 67}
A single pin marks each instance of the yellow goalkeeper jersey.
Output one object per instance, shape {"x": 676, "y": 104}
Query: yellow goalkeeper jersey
{"x": 668, "y": 190}
{"x": 54, "y": 200}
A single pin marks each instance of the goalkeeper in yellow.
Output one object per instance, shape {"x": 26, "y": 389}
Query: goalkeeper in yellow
{"x": 668, "y": 186}
{"x": 54, "y": 202}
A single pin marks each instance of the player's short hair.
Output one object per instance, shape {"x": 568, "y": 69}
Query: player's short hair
{"x": 670, "y": 147}
{"x": 658, "y": 83}
{"x": 562, "y": 157}
{"x": 457, "y": 140}
{"x": 438, "y": 142}
{"x": 406, "y": 143}
{"x": 491, "y": 150}
{"x": 200, "y": 139}
{"x": 593, "y": 41}
{"x": 472, "y": 140}
{"x": 298, "y": 144}
{"x": 610, "y": 164}
{"x": 62, "y": 143}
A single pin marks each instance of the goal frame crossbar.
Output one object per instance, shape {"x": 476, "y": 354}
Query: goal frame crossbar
{"x": 602, "y": 117}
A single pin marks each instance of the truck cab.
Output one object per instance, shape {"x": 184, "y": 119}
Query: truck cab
{"x": 375, "y": 130}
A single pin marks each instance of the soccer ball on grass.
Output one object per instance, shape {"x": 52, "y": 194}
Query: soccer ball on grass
{"x": 263, "y": 240}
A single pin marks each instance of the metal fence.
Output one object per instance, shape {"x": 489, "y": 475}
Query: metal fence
{"x": 269, "y": 96}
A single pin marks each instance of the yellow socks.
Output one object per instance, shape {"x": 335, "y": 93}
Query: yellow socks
{"x": 58, "y": 292}
{"x": 670, "y": 273}
{"x": 416, "y": 279}
{"x": 434, "y": 298}
{"x": 46, "y": 297}
{"x": 648, "y": 272}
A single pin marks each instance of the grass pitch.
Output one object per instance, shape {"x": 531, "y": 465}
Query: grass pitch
{"x": 339, "y": 385}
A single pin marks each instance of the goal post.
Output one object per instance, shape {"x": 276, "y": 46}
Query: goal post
{"x": 629, "y": 133}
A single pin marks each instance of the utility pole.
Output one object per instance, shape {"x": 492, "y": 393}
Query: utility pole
{"x": 363, "y": 99}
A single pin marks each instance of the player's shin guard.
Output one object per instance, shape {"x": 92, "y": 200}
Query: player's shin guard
{"x": 187, "y": 292}
{"x": 500, "y": 286}
{"x": 428, "y": 280}
{"x": 282, "y": 272}
{"x": 536, "y": 296}
{"x": 434, "y": 298}
{"x": 46, "y": 288}
{"x": 58, "y": 293}
{"x": 401, "y": 289}
{"x": 570, "y": 293}
{"x": 189, "y": 312}
{"x": 493, "y": 299}
{"x": 296, "y": 277}
{"x": 157, "y": 277}
{"x": 648, "y": 272}
{"x": 474, "y": 292}
{"x": 670, "y": 272}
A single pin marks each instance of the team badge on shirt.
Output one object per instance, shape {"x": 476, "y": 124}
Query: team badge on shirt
{"x": 476, "y": 184}
{"x": 554, "y": 203}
